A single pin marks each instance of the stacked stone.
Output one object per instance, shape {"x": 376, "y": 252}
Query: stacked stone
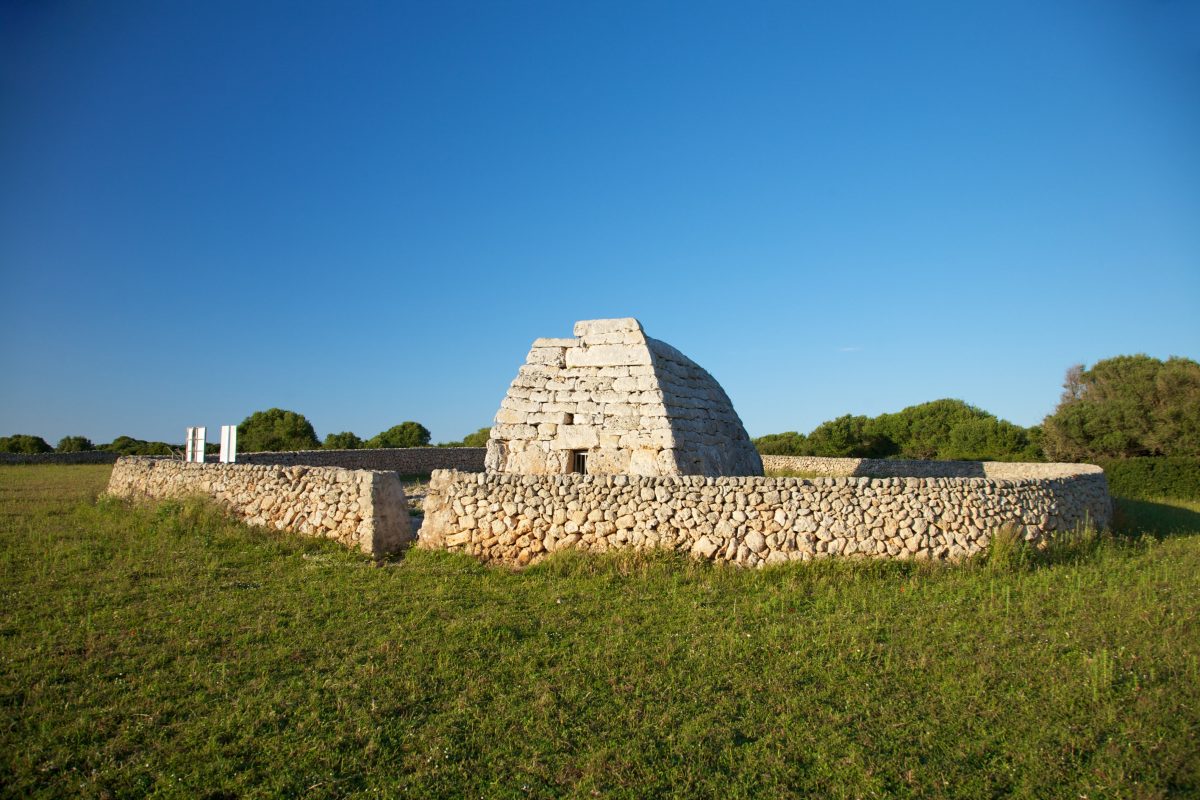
{"x": 404, "y": 460}
{"x": 359, "y": 508}
{"x": 633, "y": 404}
{"x": 516, "y": 520}
{"x": 912, "y": 468}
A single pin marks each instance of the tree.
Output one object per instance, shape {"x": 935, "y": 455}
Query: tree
{"x": 789, "y": 443}
{"x": 477, "y": 439}
{"x": 1073, "y": 384}
{"x": 989, "y": 439}
{"x": 276, "y": 429}
{"x": 129, "y": 446}
{"x": 943, "y": 429}
{"x": 24, "y": 443}
{"x": 342, "y": 441}
{"x": 923, "y": 430}
{"x": 849, "y": 436}
{"x": 406, "y": 434}
{"x": 1127, "y": 406}
{"x": 74, "y": 444}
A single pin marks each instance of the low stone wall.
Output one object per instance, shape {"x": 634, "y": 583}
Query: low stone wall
{"x": 752, "y": 521}
{"x": 359, "y": 508}
{"x": 86, "y": 457}
{"x": 404, "y": 460}
{"x": 890, "y": 468}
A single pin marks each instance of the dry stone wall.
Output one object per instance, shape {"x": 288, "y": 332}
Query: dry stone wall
{"x": 752, "y": 521}
{"x": 632, "y": 404}
{"x": 404, "y": 460}
{"x": 359, "y": 508}
{"x": 899, "y": 468}
{"x": 85, "y": 457}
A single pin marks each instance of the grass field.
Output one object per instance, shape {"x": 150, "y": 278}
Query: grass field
{"x": 165, "y": 651}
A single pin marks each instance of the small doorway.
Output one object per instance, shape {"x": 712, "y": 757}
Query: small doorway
{"x": 579, "y": 461}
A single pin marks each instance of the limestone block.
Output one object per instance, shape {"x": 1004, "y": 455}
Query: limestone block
{"x": 520, "y": 404}
{"x": 608, "y": 460}
{"x": 622, "y": 410}
{"x": 608, "y": 355}
{"x": 576, "y": 437}
{"x": 556, "y": 418}
{"x": 595, "y": 326}
{"x": 509, "y": 416}
{"x": 644, "y": 462}
{"x": 548, "y": 356}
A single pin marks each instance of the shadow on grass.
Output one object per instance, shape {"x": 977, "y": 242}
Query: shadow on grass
{"x": 1156, "y": 517}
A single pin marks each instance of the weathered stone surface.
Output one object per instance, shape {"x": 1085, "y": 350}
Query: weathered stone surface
{"x": 592, "y": 327}
{"x": 634, "y": 404}
{"x": 359, "y": 508}
{"x": 404, "y": 460}
{"x": 754, "y": 521}
{"x": 607, "y": 355}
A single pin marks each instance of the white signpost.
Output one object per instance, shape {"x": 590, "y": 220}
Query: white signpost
{"x": 195, "y": 445}
{"x": 228, "y": 444}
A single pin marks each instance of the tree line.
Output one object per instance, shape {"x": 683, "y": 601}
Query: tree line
{"x": 1120, "y": 408}
{"x": 271, "y": 430}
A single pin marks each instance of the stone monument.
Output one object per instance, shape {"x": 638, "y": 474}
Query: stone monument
{"x": 612, "y": 400}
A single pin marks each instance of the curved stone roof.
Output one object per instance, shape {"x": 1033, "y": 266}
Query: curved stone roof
{"x": 632, "y": 404}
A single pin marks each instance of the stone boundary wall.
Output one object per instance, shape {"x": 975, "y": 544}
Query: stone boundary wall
{"x": 85, "y": 457}
{"x": 890, "y": 468}
{"x": 359, "y": 508}
{"x": 404, "y": 460}
{"x": 517, "y": 519}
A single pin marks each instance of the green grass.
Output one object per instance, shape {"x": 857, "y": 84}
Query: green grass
{"x": 166, "y": 651}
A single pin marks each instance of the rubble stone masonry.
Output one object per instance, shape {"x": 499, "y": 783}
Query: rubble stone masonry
{"x": 404, "y": 460}
{"x": 752, "y": 521}
{"x": 360, "y": 508}
{"x": 628, "y": 403}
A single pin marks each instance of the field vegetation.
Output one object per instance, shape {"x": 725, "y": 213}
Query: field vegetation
{"x": 164, "y": 650}
{"x": 1122, "y": 407}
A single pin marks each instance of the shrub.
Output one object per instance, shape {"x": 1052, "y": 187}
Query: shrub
{"x": 342, "y": 441}
{"x": 1007, "y": 551}
{"x": 1126, "y": 407}
{"x": 477, "y": 439}
{"x": 129, "y": 446}
{"x": 923, "y": 431}
{"x": 849, "y": 436}
{"x": 790, "y": 443}
{"x": 276, "y": 429}
{"x": 942, "y": 429}
{"x": 1149, "y": 478}
{"x": 74, "y": 444}
{"x": 406, "y": 434}
{"x": 24, "y": 443}
{"x": 987, "y": 439}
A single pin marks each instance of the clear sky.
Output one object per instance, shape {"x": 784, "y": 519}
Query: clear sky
{"x": 365, "y": 212}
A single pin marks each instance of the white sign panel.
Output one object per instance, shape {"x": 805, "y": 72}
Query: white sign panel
{"x": 195, "y": 444}
{"x": 228, "y": 444}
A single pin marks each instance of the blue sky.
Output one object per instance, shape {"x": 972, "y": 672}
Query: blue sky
{"x": 365, "y": 212}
